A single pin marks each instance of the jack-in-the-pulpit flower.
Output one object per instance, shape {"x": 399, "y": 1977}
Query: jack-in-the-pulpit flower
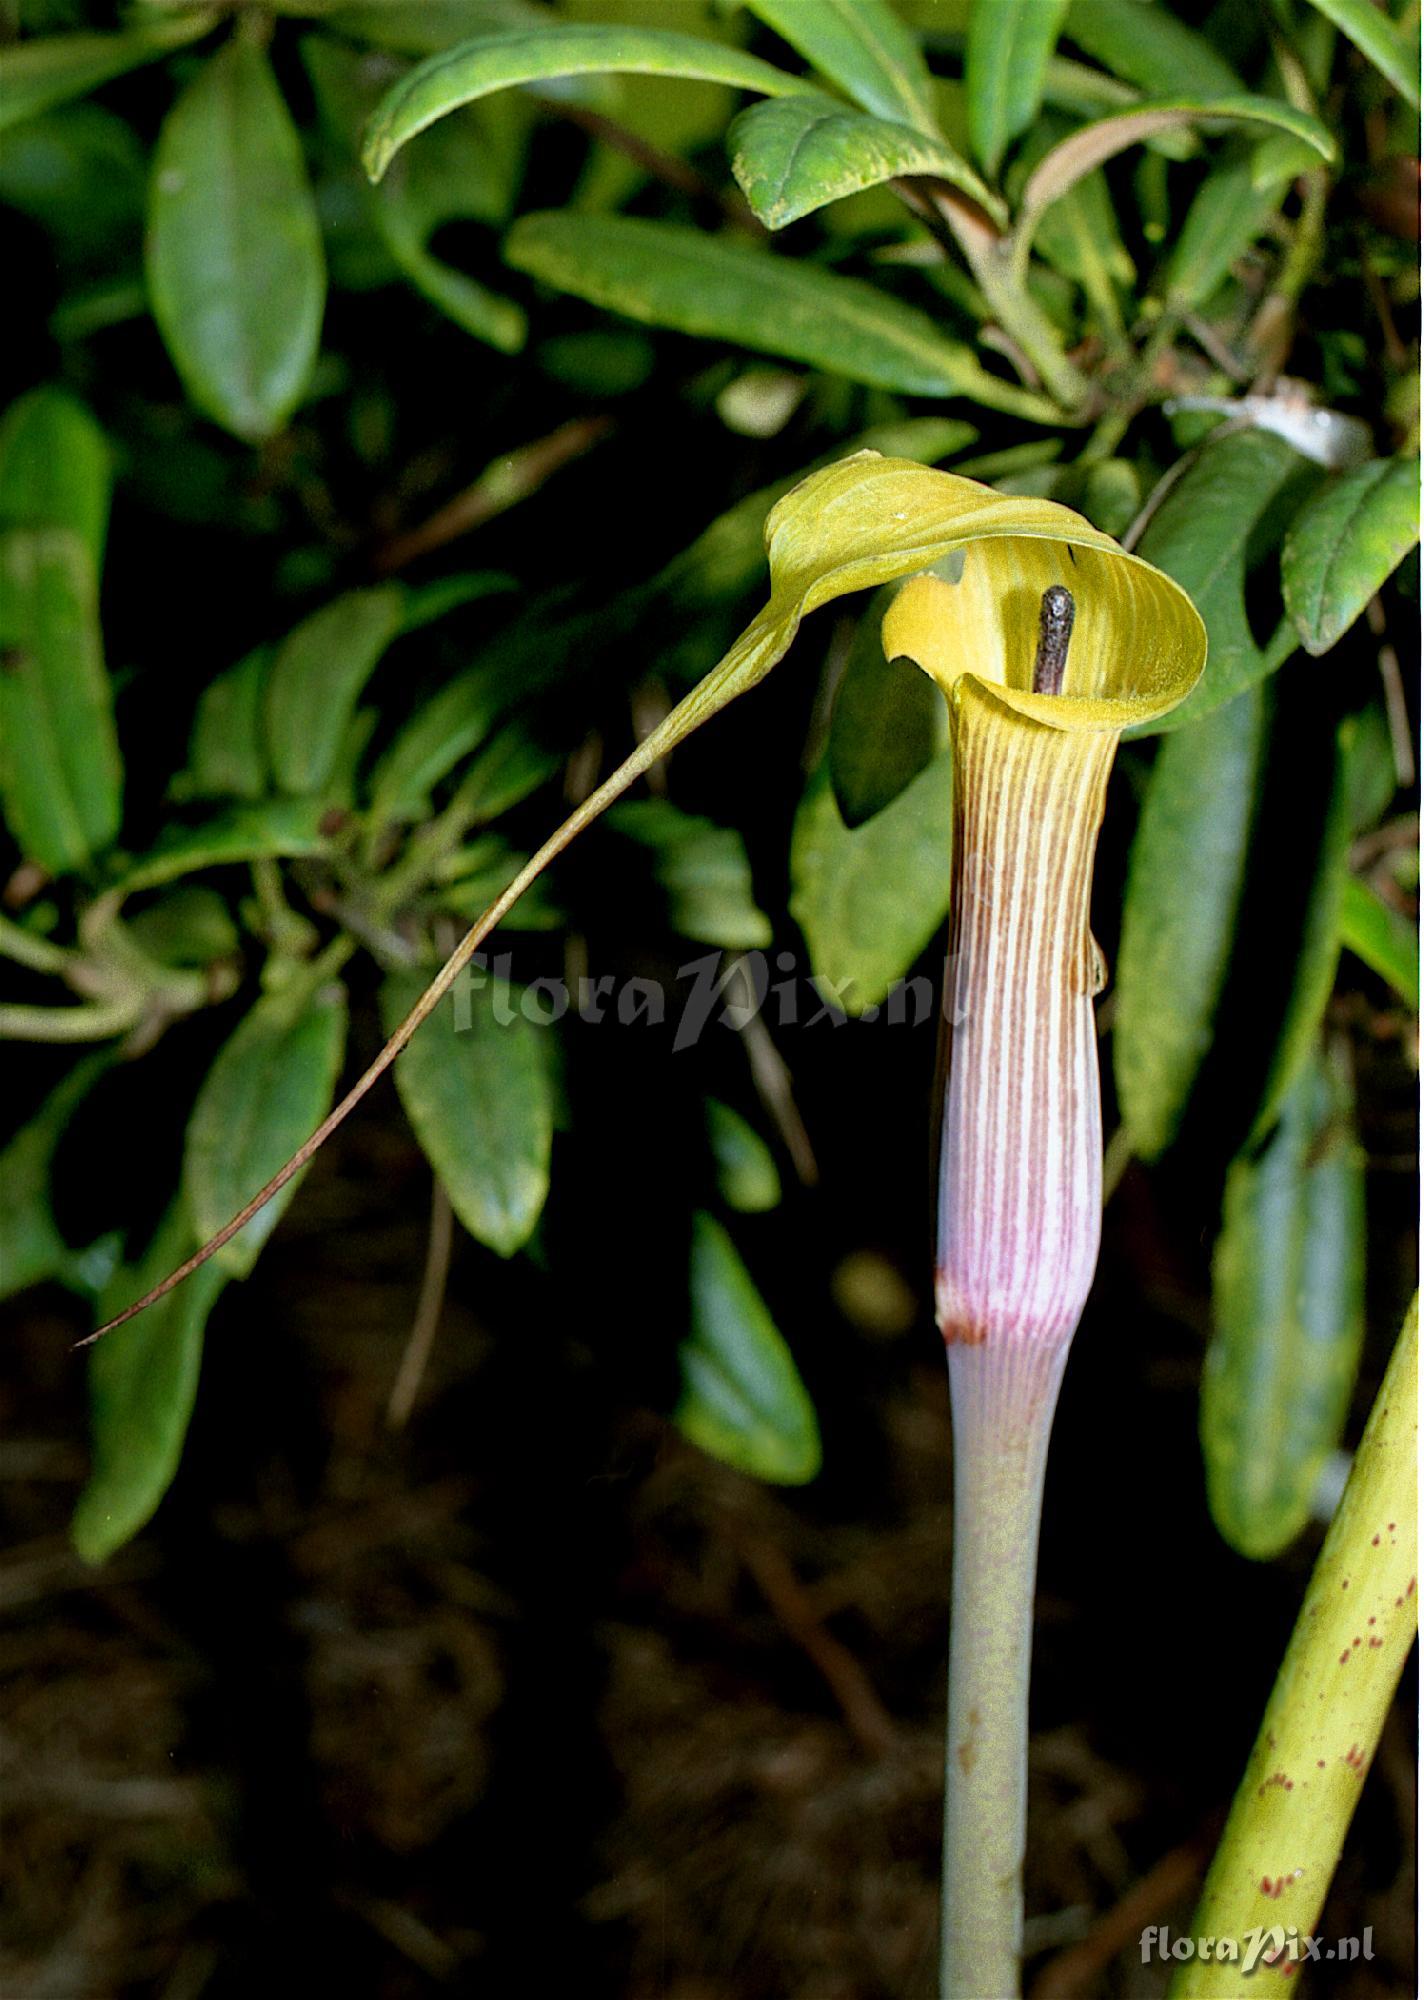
{"x": 1046, "y": 650}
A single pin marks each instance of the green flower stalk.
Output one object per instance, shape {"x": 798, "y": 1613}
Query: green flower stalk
{"x": 1045, "y": 652}
{"x": 1052, "y": 641}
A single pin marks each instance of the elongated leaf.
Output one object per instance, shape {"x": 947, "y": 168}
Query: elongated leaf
{"x": 317, "y": 678}
{"x": 50, "y": 69}
{"x": 863, "y": 46}
{"x": 1148, "y": 45}
{"x": 665, "y": 275}
{"x": 1202, "y": 535}
{"x": 702, "y": 869}
{"x": 1316, "y": 956}
{"x": 425, "y": 27}
{"x": 1005, "y": 59}
{"x": 742, "y": 1400}
{"x": 1184, "y": 884}
{"x": 496, "y": 62}
{"x": 1079, "y": 154}
{"x": 1379, "y": 40}
{"x": 31, "y": 1245}
{"x": 1288, "y": 1318}
{"x": 888, "y": 722}
{"x": 1356, "y": 1628}
{"x": 56, "y": 469}
{"x": 269, "y": 830}
{"x": 1229, "y": 211}
{"x": 235, "y": 266}
{"x": 477, "y": 1089}
{"x": 60, "y": 775}
{"x": 870, "y": 900}
{"x": 1383, "y": 937}
{"x": 792, "y": 155}
{"x": 227, "y": 753}
{"x": 1346, "y": 540}
{"x": 747, "y": 1177}
{"x": 268, "y": 1090}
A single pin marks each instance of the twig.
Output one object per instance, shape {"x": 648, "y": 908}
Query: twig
{"x": 427, "y": 1312}
{"x": 1077, "y": 1969}
{"x": 502, "y": 485}
{"x": 843, "y": 1674}
{"x": 1396, "y": 705}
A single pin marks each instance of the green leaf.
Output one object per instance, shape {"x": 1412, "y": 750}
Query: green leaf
{"x": 143, "y": 1380}
{"x": 1005, "y": 59}
{"x": 1316, "y": 956}
{"x": 742, "y": 1400}
{"x": 79, "y": 172}
{"x": 1229, "y": 211}
{"x": 1288, "y": 1317}
{"x": 227, "y": 757}
{"x": 235, "y": 266}
{"x": 476, "y": 874}
{"x": 863, "y": 46}
{"x": 1148, "y": 45}
{"x": 870, "y": 899}
{"x": 50, "y": 69}
{"x": 317, "y": 677}
{"x": 889, "y": 720}
{"x": 1184, "y": 884}
{"x": 427, "y": 603}
{"x": 423, "y": 27}
{"x": 1382, "y": 937}
{"x": 1066, "y": 163}
{"x": 478, "y": 1091}
{"x": 1208, "y": 534}
{"x": 747, "y": 1177}
{"x": 60, "y": 774}
{"x": 792, "y": 155}
{"x": 665, "y": 275}
{"x": 496, "y": 62}
{"x": 1379, "y": 39}
{"x": 1346, "y": 540}
{"x": 266, "y": 1093}
{"x": 191, "y": 925}
{"x": 703, "y": 871}
{"x": 56, "y": 469}
{"x": 31, "y": 1245}
{"x": 273, "y": 829}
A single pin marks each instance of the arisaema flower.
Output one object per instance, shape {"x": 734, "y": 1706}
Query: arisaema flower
{"x": 1048, "y": 645}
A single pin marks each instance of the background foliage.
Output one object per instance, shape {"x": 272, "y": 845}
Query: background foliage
{"x": 349, "y": 525}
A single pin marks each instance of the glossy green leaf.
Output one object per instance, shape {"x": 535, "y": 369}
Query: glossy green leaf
{"x": 60, "y": 775}
{"x": 316, "y": 680}
{"x": 477, "y": 1089}
{"x": 703, "y": 871}
{"x": 747, "y": 1176}
{"x": 1184, "y": 884}
{"x": 742, "y": 1400}
{"x": 1317, "y": 954}
{"x": 493, "y": 62}
{"x": 869, "y": 900}
{"x": 888, "y": 721}
{"x": 792, "y": 155}
{"x": 49, "y": 69}
{"x": 268, "y": 1090}
{"x": 56, "y": 469}
{"x": 1382, "y": 937}
{"x": 1347, "y": 539}
{"x": 1147, "y": 44}
{"x": 424, "y": 27}
{"x": 1380, "y": 40}
{"x": 1066, "y": 163}
{"x": 272, "y": 829}
{"x": 143, "y": 1380}
{"x": 235, "y": 267}
{"x": 863, "y": 46}
{"x": 1205, "y": 534}
{"x": 1229, "y": 211}
{"x": 1005, "y": 58}
{"x": 32, "y": 1247}
{"x": 1288, "y": 1317}
{"x": 665, "y": 275}
{"x": 227, "y": 751}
